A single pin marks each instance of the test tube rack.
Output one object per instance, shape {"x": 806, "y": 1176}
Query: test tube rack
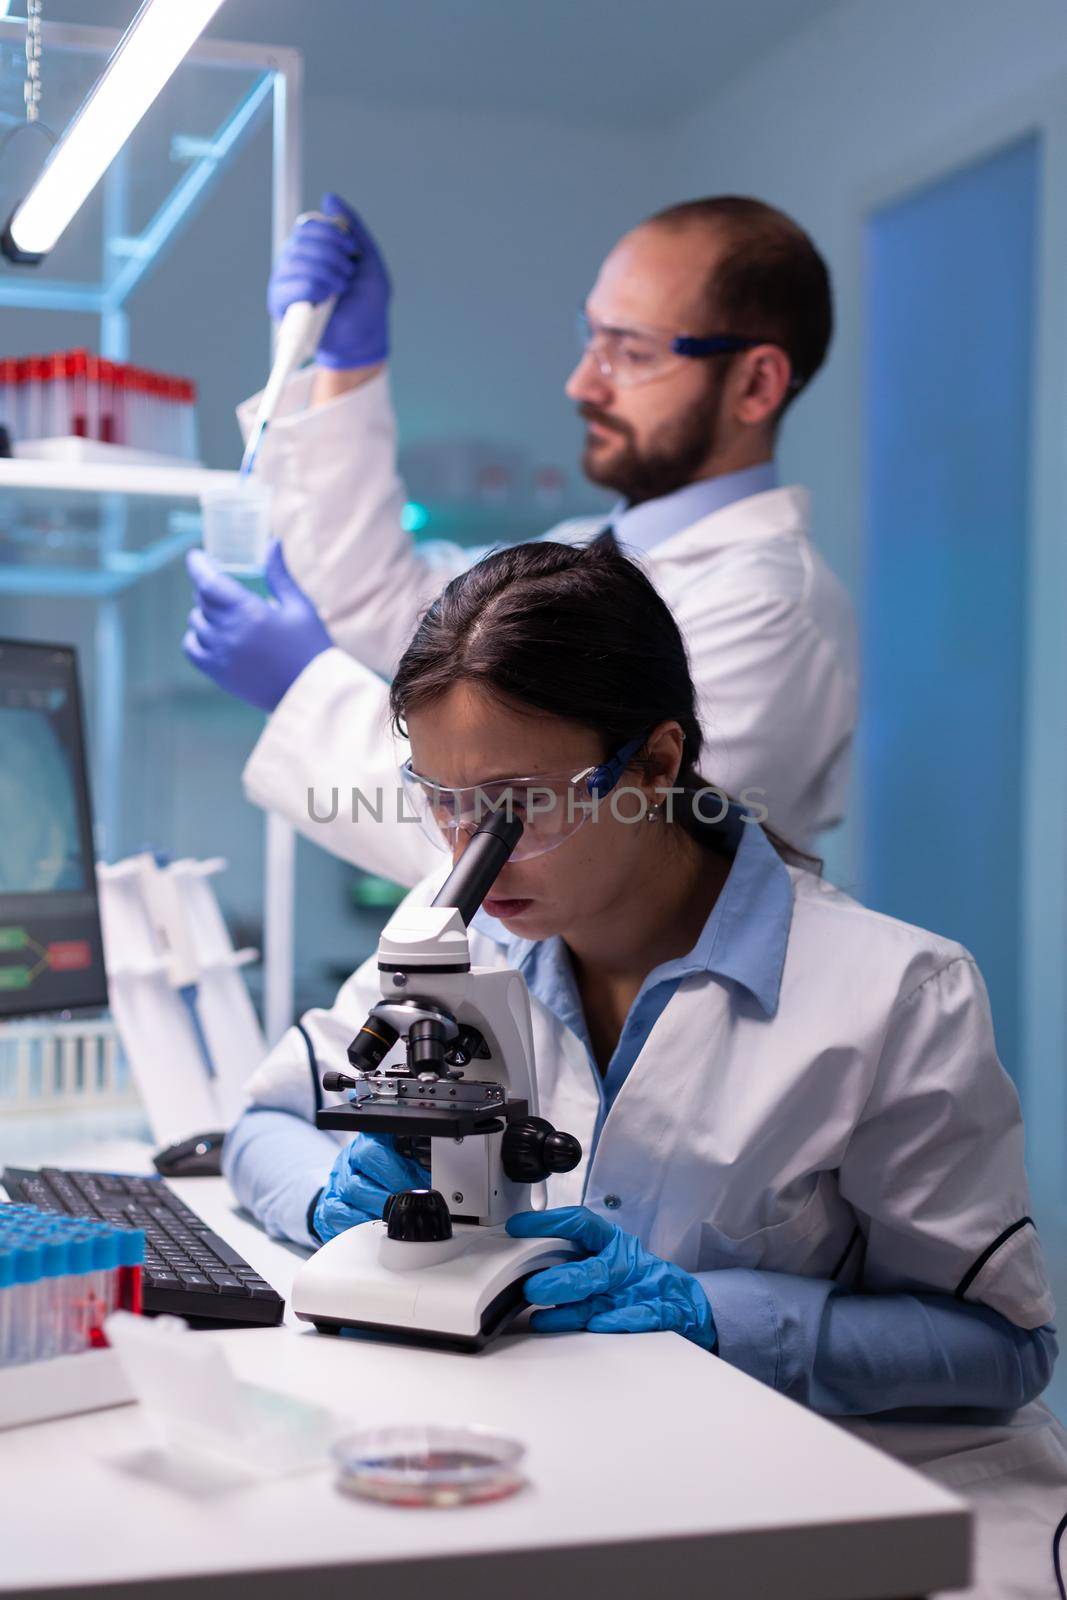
{"x": 92, "y": 1380}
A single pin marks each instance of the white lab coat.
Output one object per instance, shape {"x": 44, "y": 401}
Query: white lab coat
{"x": 770, "y": 633}
{"x": 874, "y": 1096}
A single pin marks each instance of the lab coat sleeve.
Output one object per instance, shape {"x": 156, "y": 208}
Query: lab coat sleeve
{"x": 275, "y": 1158}
{"x": 934, "y": 1168}
{"x": 777, "y": 700}
{"x": 849, "y": 1354}
{"x": 328, "y": 762}
{"x": 337, "y": 509}
{"x": 276, "y": 1163}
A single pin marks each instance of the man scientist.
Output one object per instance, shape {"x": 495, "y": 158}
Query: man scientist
{"x": 704, "y": 324}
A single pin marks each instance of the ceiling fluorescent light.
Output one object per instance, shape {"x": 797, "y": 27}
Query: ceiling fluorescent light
{"x": 158, "y": 38}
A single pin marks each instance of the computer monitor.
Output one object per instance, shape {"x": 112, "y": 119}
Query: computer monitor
{"x": 51, "y": 950}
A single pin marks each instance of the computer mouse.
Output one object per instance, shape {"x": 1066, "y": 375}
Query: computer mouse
{"x": 197, "y": 1157}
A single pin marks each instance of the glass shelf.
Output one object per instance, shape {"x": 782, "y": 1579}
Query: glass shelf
{"x": 94, "y": 529}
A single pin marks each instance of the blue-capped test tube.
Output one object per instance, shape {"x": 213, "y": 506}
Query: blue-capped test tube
{"x": 26, "y": 1296}
{"x": 53, "y": 1293}
{"x": 105, "y": 1290}
{"x": 97, "y": 1293}
{"x": 7, "y": 1302}
{"x": 79, "y": 1290}
{"x": 60, "y": 1278}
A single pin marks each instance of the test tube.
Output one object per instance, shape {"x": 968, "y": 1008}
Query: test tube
{"x": 188, "y": 443}
{"x": 22, "y": 379}
{"x": 134, "y": 407}
{"x": 79, "y": 1287}
{"x": 53, "y": 1293}
{"x": 172, "y": 427}
{"x": 131, "y": 1269}
{"x": 92, "y": 392}
{"x": 77, "y": 390}
{"x": 157, "y": 412}
{"x": 103, "y": 1297}
{"x": 60, "y": 1278}
{"x": 120, "y": 401}
{"x": 27, "y": 1280}
{"x": 9, "y": 397}
{"x": 56, "y": 398}
{"x": 32, "y": 395}
{"x": 7, "y": 1302}
{"x": 106, "y": 378}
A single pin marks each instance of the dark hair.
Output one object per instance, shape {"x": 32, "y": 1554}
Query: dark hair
{"x": 574, "y": 631}
{"x": 769, "y": 283}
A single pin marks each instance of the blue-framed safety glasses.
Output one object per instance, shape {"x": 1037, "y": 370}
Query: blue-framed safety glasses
{"x": 552, "y": 805}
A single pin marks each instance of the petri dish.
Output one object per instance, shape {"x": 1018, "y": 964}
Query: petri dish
{"x": 429, "y": 1464}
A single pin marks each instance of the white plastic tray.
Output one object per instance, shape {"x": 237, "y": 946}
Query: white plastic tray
{"x": 78, "y": 451}
{"x": 42, "y": 1390}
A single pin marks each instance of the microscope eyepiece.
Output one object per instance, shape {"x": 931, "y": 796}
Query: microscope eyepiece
{"x": 479, "y": 866}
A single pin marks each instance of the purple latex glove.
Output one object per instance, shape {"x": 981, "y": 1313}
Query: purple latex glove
{"x": 319, "y": 260}
{"x": 251, "y": 647}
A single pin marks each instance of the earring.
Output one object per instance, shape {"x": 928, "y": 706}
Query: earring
{"x": 653, "y": 813}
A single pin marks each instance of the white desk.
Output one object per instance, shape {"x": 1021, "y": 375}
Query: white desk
{"x": 652, "y": 1467}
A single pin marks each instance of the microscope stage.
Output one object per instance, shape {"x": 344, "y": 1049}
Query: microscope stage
{"x": 459, "y": 1293}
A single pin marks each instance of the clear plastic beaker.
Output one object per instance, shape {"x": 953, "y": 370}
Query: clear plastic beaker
{"x": 235, "y": 524}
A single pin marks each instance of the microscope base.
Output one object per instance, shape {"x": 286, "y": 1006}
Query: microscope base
{"x": 460, "y": 1293}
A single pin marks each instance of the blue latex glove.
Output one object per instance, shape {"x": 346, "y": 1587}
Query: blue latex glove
{"x": 318, "y": 261}
{"x": 365, "y": 1174}
{"x": 251, "y": 647}
{"x": 619, "y": 1288}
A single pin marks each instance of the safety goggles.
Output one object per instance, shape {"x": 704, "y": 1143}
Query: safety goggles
{"x": 552, "y": 806}
{"x": 636, "y": 355}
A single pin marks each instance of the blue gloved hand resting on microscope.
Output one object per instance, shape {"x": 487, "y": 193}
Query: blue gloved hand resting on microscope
{"x": 320, "y": 259}
{"x": 252, "y": 647}
{"x": 367, "y": 1171}
{"x": 619, "y": 1288}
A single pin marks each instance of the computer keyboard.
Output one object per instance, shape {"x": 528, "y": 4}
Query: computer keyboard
{"x": 189, "y": 1271}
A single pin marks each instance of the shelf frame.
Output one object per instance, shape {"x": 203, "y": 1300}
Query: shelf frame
{"x": 127, "y": 260}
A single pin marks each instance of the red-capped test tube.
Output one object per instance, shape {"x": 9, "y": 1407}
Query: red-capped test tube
{"x": 131, "y": 1270}
{"x": 9, "y": 397}
{"x": 187, "y": 439}
{"x": 77, "y": 363}
{"x": 106, "y": 379}
{"x": 57, "y": 408}
{"x": 37, "y": 374}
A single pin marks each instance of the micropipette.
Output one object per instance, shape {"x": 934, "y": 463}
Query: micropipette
{"x": 298, "y": 336}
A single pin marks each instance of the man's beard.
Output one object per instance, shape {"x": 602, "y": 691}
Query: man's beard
{"x": 669, "y": 461}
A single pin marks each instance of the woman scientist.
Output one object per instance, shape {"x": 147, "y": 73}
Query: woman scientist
{"x": 801, "y": 1152}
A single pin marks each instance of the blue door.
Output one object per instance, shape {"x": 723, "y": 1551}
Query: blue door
{"x": 951, "y": 284}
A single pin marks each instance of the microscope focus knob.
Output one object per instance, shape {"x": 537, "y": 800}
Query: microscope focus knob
{"x": 417, "y": 1216}
{"x": 531, "y": 1149}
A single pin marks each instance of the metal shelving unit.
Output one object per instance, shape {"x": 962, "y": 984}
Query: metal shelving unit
{"x": 81, "y": 530}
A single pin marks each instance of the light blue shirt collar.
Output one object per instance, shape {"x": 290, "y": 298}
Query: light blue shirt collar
{"x": 744, "y": 939}
{"x": 649, "y": 524}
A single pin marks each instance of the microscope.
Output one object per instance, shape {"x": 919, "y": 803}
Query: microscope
{"x": 439, "y": 1267}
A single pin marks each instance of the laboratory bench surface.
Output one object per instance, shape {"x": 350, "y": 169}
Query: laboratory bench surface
{"x": 651, "y": 1466}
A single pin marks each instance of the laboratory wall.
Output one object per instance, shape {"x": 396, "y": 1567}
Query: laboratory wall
{"x": 872, "y": 104}
{"x": 492, "y": 226}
